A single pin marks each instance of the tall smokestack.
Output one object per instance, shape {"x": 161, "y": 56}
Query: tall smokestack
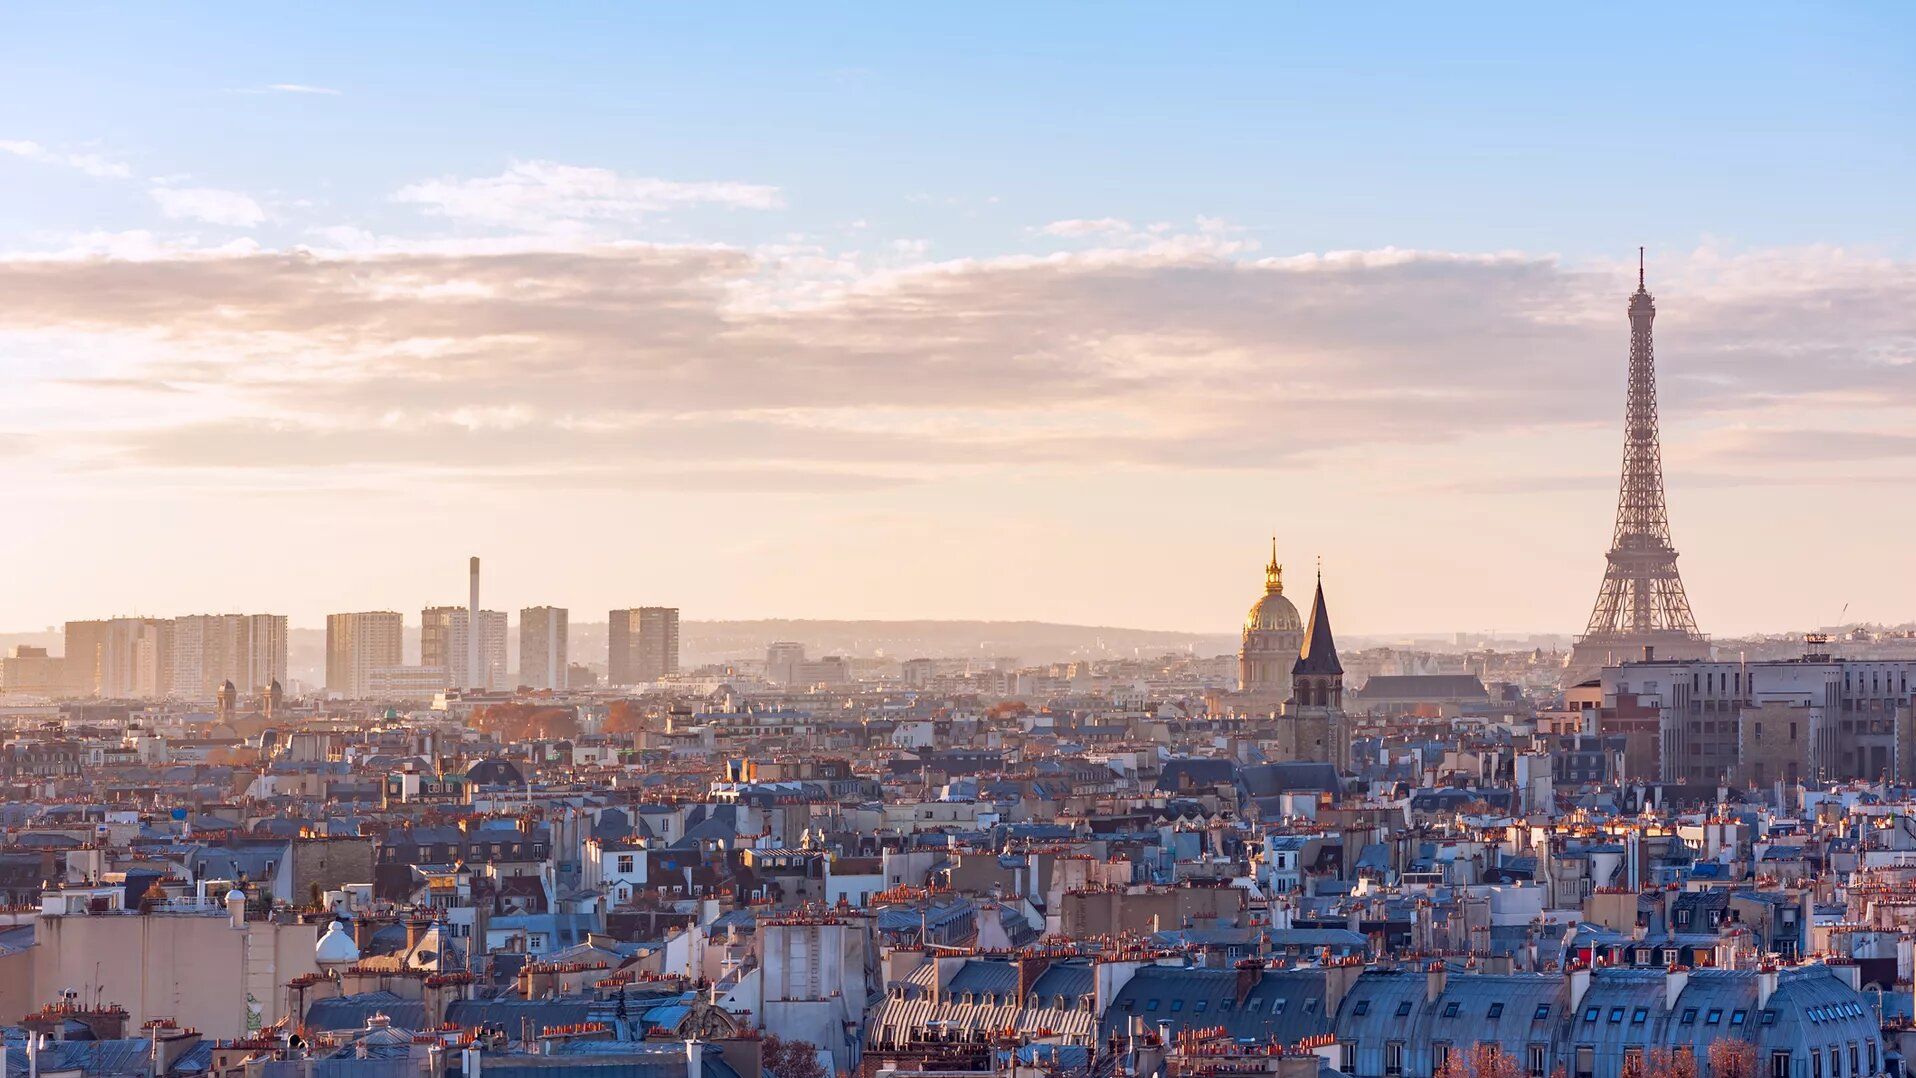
{"x": 475, "y": 677}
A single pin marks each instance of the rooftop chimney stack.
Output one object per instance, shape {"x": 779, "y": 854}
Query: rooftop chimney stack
{"x": 475, "y": 678}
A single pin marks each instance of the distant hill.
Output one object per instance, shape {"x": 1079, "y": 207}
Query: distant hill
{"x": 702, "y": 642}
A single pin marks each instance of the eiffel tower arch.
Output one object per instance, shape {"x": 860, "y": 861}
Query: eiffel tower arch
{"x": 1641, "y": 603}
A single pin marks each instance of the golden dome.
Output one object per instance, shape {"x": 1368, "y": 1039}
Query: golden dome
{"x": 1273, "y": 613}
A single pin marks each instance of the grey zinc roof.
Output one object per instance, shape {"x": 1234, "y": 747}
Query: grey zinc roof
{"x": 1395, "y": 1005}
{"x": 1285, "y": 1004}
{"x": 352, "y": 1012}
{"x": 983, "y": 976}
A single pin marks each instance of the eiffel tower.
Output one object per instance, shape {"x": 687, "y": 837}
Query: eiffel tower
{"x": 1641, "y": 608}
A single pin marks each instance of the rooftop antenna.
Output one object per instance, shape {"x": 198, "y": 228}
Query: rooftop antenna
{"x": 1639, "y": 269}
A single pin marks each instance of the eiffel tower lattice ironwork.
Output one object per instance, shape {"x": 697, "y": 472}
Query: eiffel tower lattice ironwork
{"x": 1641, "y": 603}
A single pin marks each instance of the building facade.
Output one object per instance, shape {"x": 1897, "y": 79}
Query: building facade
{"x": 542, "y": 647}
{"x": 443, "y": 642}
{"x": 359, "y": 643}
{"x": 642, "y": 645}
{"x": 209, "y": 649}
{"x": 1273, "y": 635}
{"x": 1812, "y": 719}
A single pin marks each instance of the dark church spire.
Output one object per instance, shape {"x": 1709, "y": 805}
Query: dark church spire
{"x": 1319, "y": 653}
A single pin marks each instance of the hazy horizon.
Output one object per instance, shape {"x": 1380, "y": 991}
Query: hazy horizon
{"x": 907, "y": 317}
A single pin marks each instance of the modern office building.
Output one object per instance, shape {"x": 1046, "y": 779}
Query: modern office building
{"x": 31, "y": 671}
{"x": 1820, "y": 718}
{"x": 84, "y": 651}
{"x": 356, "y": 645}
{"x": 443, "y": 643}
{"x": 782, "y": 658}
{"x": 208, "y": 649}
{"x": 642, "y": 645}
{"x": 542, "y": 647}
{"x": 136, "y": 659}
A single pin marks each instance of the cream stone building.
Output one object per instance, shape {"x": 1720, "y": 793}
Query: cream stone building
{"x": 199, "y": 960}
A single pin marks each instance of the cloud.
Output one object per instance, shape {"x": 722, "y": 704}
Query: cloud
{"x": 90, "y": 163}
{"x": 1078, "y": 227}
{"x": 209, "y": 204}
{"x": 1168, "y": 355}
{"x": 543, "y": 195}
{"x": 1813, "y": 447}
{"x": 290, "y": 88}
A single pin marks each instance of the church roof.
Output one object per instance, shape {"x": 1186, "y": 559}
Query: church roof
{"x": 1319, "y": 654}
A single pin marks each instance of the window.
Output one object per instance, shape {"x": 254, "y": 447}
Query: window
{"x": 1616, "y": 1016}
{"x": 1362, "y": 1008}
{"x": 1403, "y": 1009}
{"x": 1768, "y": 1018}
{"x": 1151, "y": 1006}
{"x": 1255, "y": 1001}
{"x": 1714, "y": 1018}
{"x": 1689, "y": 1016}
{"x": 1277, "y": 1005}
{"x": 1496, "y": 1012}
{"x": 1836, "y": 1063}
{"x": 1394, "y": 1058}
{"x": 1633, "y": 1061}
{"x": 1816, "y": 1064}
{"x": 1872, "y": 1057}
{"x": 1201, "y": 1005}
{"x": 1543, "y": 1012}
{"x": 1737, "y": 1018}
{"x": 1177, "y": 1005}
{"x": 1854, "y": 1062}
{"x": 1780, "y": 1064}
{"x": 1539, "y": 1060}
{"x": 1590, "y": 1014}
{"x": 1450, "y": 1009}
{"x": 1347, "y": 1056}
{"x": 1639, "y": 1016}
{"x": 1439, "y": 1056}
{"x": 1586, "y": 1061}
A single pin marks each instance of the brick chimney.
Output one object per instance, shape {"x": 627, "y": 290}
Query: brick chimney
{"x": 1249, "y": 973}
{"x": 1030, "y": 968}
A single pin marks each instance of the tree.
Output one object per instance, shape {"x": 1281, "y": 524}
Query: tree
{"x": 1679, "y": 1062}
{"x": 1483, "y": 1060}
{"x": 525, "y": 722}
{"x": 624, "y": 717}
{"x": 1732, "y": 1058}
{"x": 790, "y": 1059}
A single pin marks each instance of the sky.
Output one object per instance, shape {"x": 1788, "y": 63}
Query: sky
{"x": 994, "y": 311}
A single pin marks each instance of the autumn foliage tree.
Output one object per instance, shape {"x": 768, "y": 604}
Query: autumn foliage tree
{"x": 1732, "y": 1058}
{"x": 1670, "y": 1063}
{"x": 783, "y": 1058}
{"x": 526, "y": 722}
{"x": 624, "y": 717}
{"x": 1481, "y": 1061}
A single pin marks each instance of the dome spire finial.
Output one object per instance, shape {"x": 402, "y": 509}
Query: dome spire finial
{"x": 1273, "y": 572}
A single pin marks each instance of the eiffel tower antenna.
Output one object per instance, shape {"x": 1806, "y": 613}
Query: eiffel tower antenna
{"x": 1641, "y": 607}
